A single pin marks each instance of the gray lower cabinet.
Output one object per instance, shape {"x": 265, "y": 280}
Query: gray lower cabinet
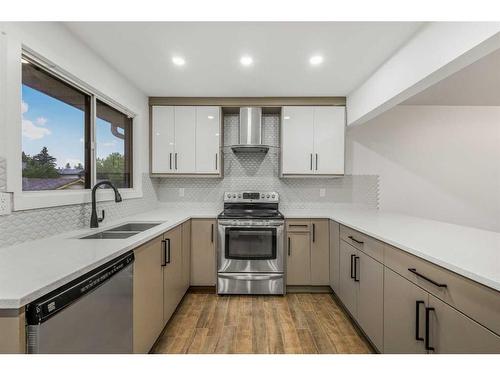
{"x": 148, "y": 294}
{"x": 361, "y": 290}
{"x": 334, "y": 255}
{"x": 173, "y": 285}
{"x": 348, "y": 290}
{"x": 298, "y": 265}
{"x": 450, "y": 331}
{"x": 404, "y": 306}
{"x": 370, "y": 276}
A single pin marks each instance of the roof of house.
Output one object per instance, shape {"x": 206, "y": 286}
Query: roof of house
{"x": 34, "y": 184}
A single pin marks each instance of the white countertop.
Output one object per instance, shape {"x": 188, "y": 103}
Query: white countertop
{"x": 32, "y": 269}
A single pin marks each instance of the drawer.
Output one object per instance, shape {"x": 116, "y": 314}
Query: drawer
{"x": 243, "y": 283}
{"x": 474, "y": 300}
{"x": 370, "y": 246}
{"x": 298, "y": 225}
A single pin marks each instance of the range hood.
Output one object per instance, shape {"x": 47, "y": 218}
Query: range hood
{"x": 250, "y": 131}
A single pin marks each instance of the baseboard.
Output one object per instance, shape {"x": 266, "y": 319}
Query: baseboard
{"x": 308, "y": 289}
{"x": 202, "y": 289}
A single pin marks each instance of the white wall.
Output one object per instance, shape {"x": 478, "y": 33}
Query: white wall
{"x": 56, "y": 43}
{"x": 436, "y": 162}
{"x": 436, "y": 51}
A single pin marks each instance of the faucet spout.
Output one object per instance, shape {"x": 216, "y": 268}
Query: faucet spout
{"x": 94, "y": 219}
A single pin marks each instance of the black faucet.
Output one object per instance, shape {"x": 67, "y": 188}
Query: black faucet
{"x": 94, "y": 220}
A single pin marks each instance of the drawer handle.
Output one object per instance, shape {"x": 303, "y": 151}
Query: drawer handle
{"x": 414, "y": 271}
{"x": 427, "y": 328}
{"x": 355, "y": 240}
{"x": 417, "y": 321}
{"x": 298, "y": 225}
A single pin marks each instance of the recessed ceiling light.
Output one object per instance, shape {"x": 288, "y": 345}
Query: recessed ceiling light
{"x": 246, "y": 60}
{"x": 316, "y": 60}
{"x": 287, "y": 117}
{"x": 179, "y": 61}
{"x": 211, "y": 117}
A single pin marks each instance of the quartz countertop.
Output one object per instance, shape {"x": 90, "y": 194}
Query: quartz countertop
{"x": 32, "y": 269}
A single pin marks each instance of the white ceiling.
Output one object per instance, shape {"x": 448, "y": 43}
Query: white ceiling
{"x": 475, "y": 85}
{"x": 281, "y": 51}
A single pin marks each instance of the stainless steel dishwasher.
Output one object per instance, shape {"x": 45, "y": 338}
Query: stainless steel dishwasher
{"x": 92, "y": 314}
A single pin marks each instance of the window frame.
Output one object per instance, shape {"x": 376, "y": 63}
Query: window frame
{"x": 25, "y": 200}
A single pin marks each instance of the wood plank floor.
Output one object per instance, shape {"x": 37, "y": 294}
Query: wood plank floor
{"x": 295, "y": 323}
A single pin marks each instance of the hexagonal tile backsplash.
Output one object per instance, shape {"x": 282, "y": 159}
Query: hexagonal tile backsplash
{"x": 23, "y": 226}
{"x": 241, "y": 172}
{"x": 260, "y": 172}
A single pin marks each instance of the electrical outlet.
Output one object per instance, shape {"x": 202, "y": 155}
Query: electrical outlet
{"x": 181, "y": 192}
{"x": 322, "y": 192}
{"x": 5, "y": 205}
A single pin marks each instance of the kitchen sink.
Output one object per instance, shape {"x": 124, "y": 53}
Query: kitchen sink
{"x": 133, "y": 227}
{"x": 109, "y": 235}
{"x": 122, "y": 231}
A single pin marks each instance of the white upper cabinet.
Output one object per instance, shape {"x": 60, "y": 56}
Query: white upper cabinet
{"x": 207, "y": 139}
{"x": 162, "y": 139}
{"x": 297, "y": 140}
{"x": 185, "y": 140}
{"x": 329, "y": 127}
{"x": 185, "y": 132}
{"x": 313, "y": 140}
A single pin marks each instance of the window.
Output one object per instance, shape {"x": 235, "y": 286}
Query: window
{"x": 113, "y": 146}
{"x": 55, "y": 132}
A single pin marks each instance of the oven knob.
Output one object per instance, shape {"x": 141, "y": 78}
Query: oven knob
{"x": 272, "y": 196}
{"x": 239, "y": 195}
{"x": 234, "y": 195}
{"x": 262, "y": 196}
{"x": 267, "y": 196}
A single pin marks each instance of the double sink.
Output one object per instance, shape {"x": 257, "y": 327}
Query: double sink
{"x": 120, "y": 232}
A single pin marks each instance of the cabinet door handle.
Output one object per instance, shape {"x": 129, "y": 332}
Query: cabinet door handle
{"x": 216, "y": 161}
{"x": 164, "y": 253}
{"x": 417, "y": 320}
{"x": 176, "y": 161}
{"x": 311, "y": 162}
{"x": 427, "y": 328}
{"x": 316, "y": 161}
{"x": 170, "y": 161}
{"x": 289, "y": 246}
{"x": 356, "y": 269}
{"x": 352, "y": 265}
{"x": 355, "y": 240}
{"x": 212, "y": 234}
{"x": 314, "y": 232}
{"x": 168, "y": 251}
{"x": 414, "y": 271}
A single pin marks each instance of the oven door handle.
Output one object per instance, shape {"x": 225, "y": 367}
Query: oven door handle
{"x": 250, "y": 277}
{"x": 260, "y": 226}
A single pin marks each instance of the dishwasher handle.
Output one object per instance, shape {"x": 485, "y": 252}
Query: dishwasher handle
{"x": 45, "y": 307}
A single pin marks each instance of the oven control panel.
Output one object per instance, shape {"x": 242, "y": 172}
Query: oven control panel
{"x": 251, "y": 196}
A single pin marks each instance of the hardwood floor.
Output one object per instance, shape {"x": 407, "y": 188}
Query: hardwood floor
{"x": 295, "y": 323}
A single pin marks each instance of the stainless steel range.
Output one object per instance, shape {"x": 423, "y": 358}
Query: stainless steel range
{"x": 250, "y": 257}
